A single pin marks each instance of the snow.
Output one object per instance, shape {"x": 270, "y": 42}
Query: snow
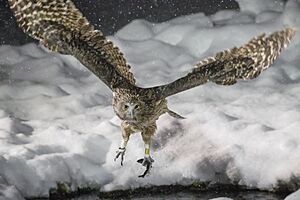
{"x": 293, "y": 196}
{"x": 143, "y": 31}
{"x": 9, "y": 193}
{"x": 221, "y": 198}
{"x": 258, "y": 6}
{"x": 57, "y": 123}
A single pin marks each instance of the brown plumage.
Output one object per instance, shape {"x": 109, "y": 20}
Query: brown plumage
{"x": 60, "y": 27}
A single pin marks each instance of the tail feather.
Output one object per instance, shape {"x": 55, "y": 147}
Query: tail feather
{"x": 174, "y": 114}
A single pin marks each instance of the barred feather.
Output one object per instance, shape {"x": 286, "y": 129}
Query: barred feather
{"x": 228, "y": 66}
{"x": 58, "y": 23}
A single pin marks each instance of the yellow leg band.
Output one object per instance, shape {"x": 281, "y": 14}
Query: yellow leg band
{"x": 147, "y": 151}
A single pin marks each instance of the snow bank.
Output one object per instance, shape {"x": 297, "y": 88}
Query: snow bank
{"x": 221, "y": 198}
{"x": 9, "y": 193}
{"x": 258, "y": 6}
{"x": 57, "y": 123}
{"x": 293, "y": 196}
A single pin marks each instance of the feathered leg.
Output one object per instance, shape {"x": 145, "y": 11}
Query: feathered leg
{"x": 147, "y": 160}
{"x": 126, "y": 132}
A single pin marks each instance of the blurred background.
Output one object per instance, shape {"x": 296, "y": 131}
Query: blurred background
{"x": 111, "y": 15}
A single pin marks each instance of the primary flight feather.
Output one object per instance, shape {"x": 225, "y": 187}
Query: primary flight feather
{"x": 61, "y": 27}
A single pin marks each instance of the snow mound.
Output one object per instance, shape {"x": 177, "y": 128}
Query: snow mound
{"x": 143, "y": 31}
{"x": 258, "y": 6}
{"x": 293, "y": 196}
{"x": 9, "y": 193}
{"x": 57, "y": 123}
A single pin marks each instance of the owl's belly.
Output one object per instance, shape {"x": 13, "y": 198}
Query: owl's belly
{"x": 144, "y": 123}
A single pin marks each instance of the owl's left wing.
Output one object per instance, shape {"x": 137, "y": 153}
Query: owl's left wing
{"x": 228, "y": 66}
{"x": 61, "y": 27}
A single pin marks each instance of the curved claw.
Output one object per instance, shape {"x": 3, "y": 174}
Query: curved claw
{"x": 146, "y": 162}
{"x": 120, "y": 152}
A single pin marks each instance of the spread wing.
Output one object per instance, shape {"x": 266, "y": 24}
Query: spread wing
{"x": 228, "y": 66}
{"x": 60, "y": 27}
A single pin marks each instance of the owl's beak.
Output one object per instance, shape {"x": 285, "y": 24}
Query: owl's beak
{"x": 130, "y": 113}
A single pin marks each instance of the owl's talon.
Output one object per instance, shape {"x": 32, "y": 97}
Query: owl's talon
{"x": 146, "y": 162}
{"x": 120, "y": 152}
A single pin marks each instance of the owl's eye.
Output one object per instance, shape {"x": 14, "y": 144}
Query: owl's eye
{"x": 126, "y": 107}
{"x": 136, "y": 107}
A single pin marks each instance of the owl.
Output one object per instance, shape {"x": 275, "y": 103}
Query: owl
{"x": 61, "y": 28}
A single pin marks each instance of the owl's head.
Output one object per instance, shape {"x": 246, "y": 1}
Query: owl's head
{"x": 132, "y": 108}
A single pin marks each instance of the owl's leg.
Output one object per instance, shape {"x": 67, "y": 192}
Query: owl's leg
{"x": 147, "y": 160}
{"x": 126, "y": 132}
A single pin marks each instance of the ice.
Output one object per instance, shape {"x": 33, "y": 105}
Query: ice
{"x": 57, "y": 123}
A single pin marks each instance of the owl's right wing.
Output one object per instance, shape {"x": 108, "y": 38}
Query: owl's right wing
{"x": 60, "y": 27}
{"x": 228, "y": 66}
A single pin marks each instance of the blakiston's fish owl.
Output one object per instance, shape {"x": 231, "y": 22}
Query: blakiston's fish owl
{"x": 60, "y": 27}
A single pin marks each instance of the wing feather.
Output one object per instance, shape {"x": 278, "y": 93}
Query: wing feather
{"x": 226, "y": 67}
{"x": 61, "y": 27}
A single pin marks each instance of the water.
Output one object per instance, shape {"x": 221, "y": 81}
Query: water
{"x": 249, "y": 195}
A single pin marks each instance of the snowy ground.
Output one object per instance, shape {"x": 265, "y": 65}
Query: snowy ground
{"x": 57, "y": 123}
